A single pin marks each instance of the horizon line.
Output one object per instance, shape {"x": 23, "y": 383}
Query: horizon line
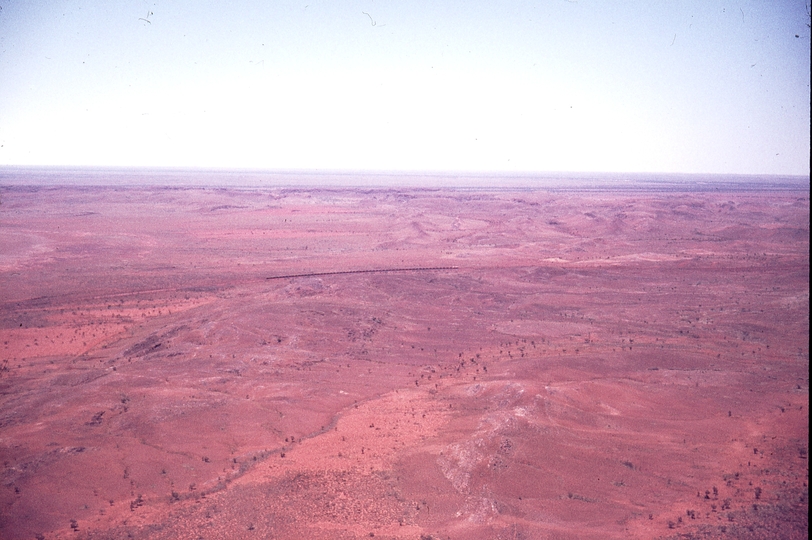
{"x": 252, "y": 178}
{"x": 379, "y": 172}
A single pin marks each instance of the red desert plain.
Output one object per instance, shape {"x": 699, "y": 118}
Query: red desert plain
{"x": 404, "y": 363}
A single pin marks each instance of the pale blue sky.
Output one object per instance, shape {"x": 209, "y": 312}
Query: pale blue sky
{"x": 558, "y": 85}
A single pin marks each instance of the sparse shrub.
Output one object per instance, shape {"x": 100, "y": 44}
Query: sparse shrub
{"x": 137, "y": 503}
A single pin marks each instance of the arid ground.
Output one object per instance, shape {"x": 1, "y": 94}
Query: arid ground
{"x": 526, "y": 364}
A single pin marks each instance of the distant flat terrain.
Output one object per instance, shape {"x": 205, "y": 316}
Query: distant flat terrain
{"x": 426, "y": 363}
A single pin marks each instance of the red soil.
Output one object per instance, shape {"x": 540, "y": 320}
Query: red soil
{"x": 597, "y": 365}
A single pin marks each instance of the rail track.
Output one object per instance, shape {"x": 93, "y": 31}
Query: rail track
{"x": 373, "y": 271}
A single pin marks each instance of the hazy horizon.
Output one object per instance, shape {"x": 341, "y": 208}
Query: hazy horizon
{"x": 361, "y": 85}
{"x": 267, "y": 178}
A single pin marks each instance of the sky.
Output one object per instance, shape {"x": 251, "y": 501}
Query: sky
{"x": 555, "y": 85}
